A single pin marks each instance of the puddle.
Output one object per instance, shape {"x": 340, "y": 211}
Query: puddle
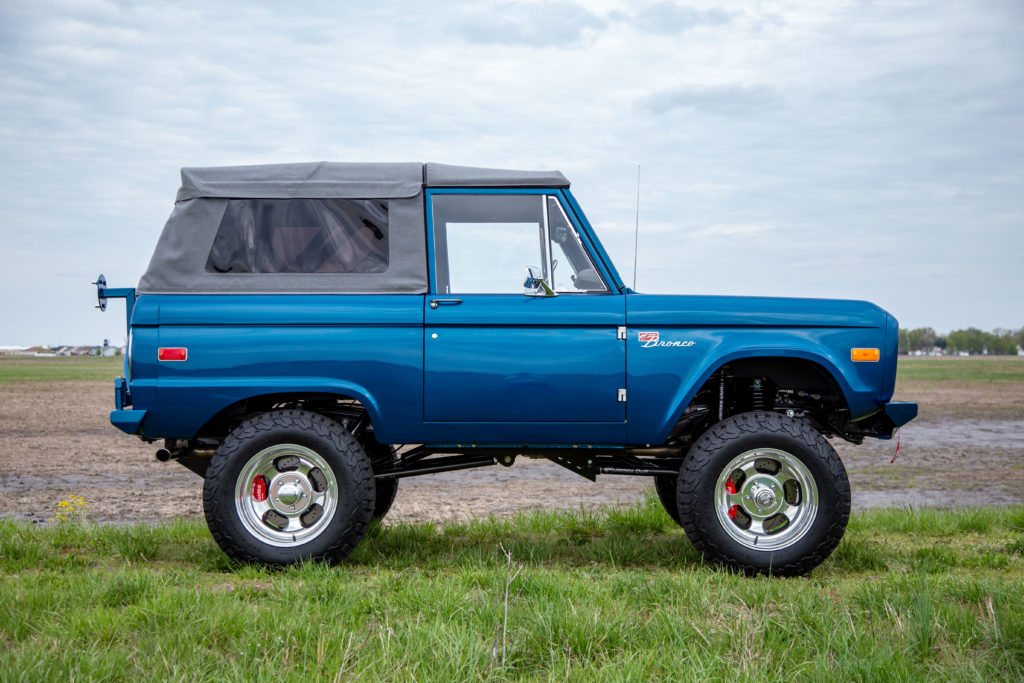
{"x": 864, "y": 498}
{"x": 964, "y": 432}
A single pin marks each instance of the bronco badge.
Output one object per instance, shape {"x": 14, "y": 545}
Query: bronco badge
{"x": 649, "y": 339}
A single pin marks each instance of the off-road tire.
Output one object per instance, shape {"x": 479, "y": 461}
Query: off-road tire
{"x": 328, "y": 439}
{"x": 711, "y": 454}
{"x": 665, "y": 486}
{"x": 387, "y": 489}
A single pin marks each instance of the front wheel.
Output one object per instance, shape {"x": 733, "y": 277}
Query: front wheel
{"x": 765, "y": 494}
{"x": 381, "y": 454}
{"x": 287, "y": 486}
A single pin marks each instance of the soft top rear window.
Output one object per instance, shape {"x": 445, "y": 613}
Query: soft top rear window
{"x": 301, "y": 236}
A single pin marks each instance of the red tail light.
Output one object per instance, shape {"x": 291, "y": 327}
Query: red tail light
{"x": 179, "y": 353}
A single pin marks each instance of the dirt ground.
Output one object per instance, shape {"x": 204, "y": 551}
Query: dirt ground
{"x": 55, "y": 440}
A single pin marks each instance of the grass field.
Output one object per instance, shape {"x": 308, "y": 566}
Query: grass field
{"x": 972, "y": 369}
{"x": 44, "y": 369}
{"x": 616, "y": 595}
{"x": 620, "y": 595}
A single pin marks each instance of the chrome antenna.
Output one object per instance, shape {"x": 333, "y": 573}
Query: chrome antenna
{"x": 636, "y": 227}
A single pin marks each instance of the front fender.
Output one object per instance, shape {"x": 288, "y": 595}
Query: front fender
{"x": 664, "y": 380}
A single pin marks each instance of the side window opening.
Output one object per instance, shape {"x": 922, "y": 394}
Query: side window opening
{"x": 572, "y": 268}
{"x": 484, "y": 243}
{"x": 301, "y": 236}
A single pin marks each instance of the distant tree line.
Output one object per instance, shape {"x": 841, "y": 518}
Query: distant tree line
{"x": 972, "y": 340}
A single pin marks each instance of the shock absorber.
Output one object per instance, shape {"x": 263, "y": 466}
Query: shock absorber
{"x": 757, "y": 394}
{"x": 721, "y": 395}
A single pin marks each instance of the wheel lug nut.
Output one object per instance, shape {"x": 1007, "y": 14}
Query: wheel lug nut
{"x": 748, "y": 497}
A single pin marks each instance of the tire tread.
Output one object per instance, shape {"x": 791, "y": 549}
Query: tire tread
{"x": 696, "y": 518}
{"x": 353, "y": 458}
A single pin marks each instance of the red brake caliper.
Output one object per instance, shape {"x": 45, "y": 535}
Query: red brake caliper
{"x": 730, "y": 488}
{"x": 259, "y": 488}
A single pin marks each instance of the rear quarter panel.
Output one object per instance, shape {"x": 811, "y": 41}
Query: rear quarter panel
{"x": 368, "y": 347}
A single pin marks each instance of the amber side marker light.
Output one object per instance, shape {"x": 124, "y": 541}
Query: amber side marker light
{"x": 172, "y": 354}
{"x": 865, "y": 355}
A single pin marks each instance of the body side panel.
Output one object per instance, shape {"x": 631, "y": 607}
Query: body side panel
{"x": 517, "y": 359}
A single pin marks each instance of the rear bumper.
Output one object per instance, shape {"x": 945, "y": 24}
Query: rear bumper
{"x": 121, "y": 397}
{"x": 128, "y": 421}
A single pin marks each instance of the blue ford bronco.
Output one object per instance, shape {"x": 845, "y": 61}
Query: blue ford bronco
{"x": 308, "y": 334}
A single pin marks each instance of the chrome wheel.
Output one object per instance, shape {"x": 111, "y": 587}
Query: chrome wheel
{"x": 766, "y": 499}
{"x": 286, "y": 495}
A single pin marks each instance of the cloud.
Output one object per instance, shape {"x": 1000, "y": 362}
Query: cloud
{"x": 669, "y": 18}
{"x": 734, "y": 230}
{"x": 726, "y": 100}
{"x": 548, "y": 24}
{"x": 898, "y": 123}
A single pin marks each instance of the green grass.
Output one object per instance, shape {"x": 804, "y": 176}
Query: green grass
{"x": 77, "y": 368}
{"x": 982, "y": 370}
{"x": 616, "y": 595}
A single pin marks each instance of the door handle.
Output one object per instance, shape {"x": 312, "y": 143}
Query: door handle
{"x": 434, "y": 303}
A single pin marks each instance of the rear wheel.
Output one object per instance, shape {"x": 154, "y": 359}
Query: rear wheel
{"x": 764, "y": 493}
{"x": 665, "y": 486}
{"x": 287, "y": 486}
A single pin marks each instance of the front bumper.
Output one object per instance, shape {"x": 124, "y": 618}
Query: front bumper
{"x": 884, "y": 423}
{"x": 900, "y": 412}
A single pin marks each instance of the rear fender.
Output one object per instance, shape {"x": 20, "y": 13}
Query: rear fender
{"x": 183, "y": 417}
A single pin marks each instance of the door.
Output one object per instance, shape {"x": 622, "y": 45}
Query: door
{"x": 497, "y": 353}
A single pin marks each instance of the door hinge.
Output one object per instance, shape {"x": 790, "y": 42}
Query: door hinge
{"x": 622, "y": 333}
{"x": 622, "y": 396}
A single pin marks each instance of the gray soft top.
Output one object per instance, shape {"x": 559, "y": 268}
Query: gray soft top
{"x": 179, "y": 260}
{"x": 444, "y": 175}
{"x": 331, "y": 180}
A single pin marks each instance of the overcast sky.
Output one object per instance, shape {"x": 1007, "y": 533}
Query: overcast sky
{"x": 868, "y": 150}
